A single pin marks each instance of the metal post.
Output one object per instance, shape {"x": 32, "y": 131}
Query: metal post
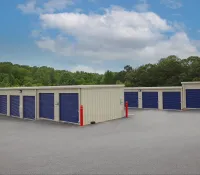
{"x": 126, "y": 109}
{"x": 81, "y": 115}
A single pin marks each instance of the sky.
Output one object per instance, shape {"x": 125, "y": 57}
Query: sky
{"x": 97, "y": 35}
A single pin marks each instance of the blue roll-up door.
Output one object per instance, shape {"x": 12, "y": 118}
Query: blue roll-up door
{"x": 172, "y": 100}
{"x": 150, "y": 100}
{"x": 29, "y": 107}
{"x": 132, "y": 98}
{"x": 192, "y": 98}
{"x": 46, "y": 105}
{"x": 69, "y": 107}
{"x": 14, "y": 105}
{"x": 3, "y": 104}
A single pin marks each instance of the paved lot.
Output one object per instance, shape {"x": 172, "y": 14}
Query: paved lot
{"x": 150, "y": 142}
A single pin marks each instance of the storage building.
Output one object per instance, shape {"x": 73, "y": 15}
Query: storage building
{"x": 168, "y": 98}
{"x": 191, "y": 95}
{"x": 62, "y": 103}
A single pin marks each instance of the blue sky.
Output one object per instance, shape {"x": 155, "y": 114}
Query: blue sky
{"x": 97, "y": 35}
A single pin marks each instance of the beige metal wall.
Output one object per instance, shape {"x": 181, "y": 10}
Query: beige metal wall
{"x": 160, "y": 91}
{"x": 102, "y": 104}
{"x": 189, "y": 85}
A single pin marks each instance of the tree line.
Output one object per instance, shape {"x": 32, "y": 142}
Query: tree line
{"x": 170, "y": 71}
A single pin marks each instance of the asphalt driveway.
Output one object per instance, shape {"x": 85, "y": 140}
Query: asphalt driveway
{"x": 148, "y": 142}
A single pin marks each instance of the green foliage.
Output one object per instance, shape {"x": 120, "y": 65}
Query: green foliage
{"x": 170, "y": 71}
{"x": 108, "y": 78}
{"x": 20, "y": 75}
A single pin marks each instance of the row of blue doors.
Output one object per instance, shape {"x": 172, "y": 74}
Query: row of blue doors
{"x": 171, "y": 100}
{"x": 28, "y": 106}
{"x": 68, "y": 106}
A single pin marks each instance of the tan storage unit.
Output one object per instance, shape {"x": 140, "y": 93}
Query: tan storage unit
{"x": 152, "y": 97}
{"x": 19, "y": 93}
{"x": 62, "y": 103}
{"x": 191, "y": 95}
{"x": 103, "y": 103}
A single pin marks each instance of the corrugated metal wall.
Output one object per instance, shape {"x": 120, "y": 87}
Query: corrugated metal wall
{"x": 102, "y": 104}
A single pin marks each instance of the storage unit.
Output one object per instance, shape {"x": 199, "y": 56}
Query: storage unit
{"x": 131, "y": 98}
{"x": 62, "y": 103}
{"x": 69, "y": 107}
{"x": 157, "y": 97}
{"x": 29, "y": 107}
{"x": 14, "y": 105}
{"x": 150, "y": 100}
{"x": 172, "y": 100}
{"x": 46, "y": 105}
{"x": 102, "y": 103}
{"x": 192, "y": 98}
{"x": 191, "y": 95}
{"x": 3, "y": 104}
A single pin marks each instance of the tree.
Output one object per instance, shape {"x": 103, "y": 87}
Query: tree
{"x": 108, "y": 78}
{"x": 118, "y": 82}
{"x": 4, "y": 80}
{"x": 169, "y": 71}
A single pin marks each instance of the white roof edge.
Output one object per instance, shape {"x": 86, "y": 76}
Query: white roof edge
{"x": 151, "y": 88}
{"x": 192, "y": 82}
{"x": 63, "y": 87}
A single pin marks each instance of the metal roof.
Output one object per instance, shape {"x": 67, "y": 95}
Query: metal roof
{"x": 152, "y": 88}
{"x": 62, "y": 87}
{"x": 191, "y": 82}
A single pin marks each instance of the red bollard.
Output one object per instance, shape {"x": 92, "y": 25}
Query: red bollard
{"x": 126, "y": 109}
{"x": 81, "y": 115}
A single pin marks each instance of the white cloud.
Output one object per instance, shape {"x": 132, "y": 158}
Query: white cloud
{"x": 54, "y": 5}
{"x": 86, "y": 69}
{"x": 29, "y": 7}
{"x": 117, "y": 34}
{"x": 173, "y": 4}
{"x": 48, "y": 6}
{"x": 47, "y": 43}
{"x": 179, "y": 26}
{"x": 142, "y": 6}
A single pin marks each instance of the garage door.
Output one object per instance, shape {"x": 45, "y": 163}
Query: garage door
{"x": 14, "y": 105}
{"x": 150, "y": 100}
{"x": 192, "y": 98}
{"x": 3, "y": 104}
{"x": 29, "y": 107}
{"x": 46, "y": 105}
{"x": 132, "y": 98}
{"x": 69, "y": 107}
{"x": 172, "y": 100}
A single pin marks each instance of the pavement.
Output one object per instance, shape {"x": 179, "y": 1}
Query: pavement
{"x": 148, "y": 142}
